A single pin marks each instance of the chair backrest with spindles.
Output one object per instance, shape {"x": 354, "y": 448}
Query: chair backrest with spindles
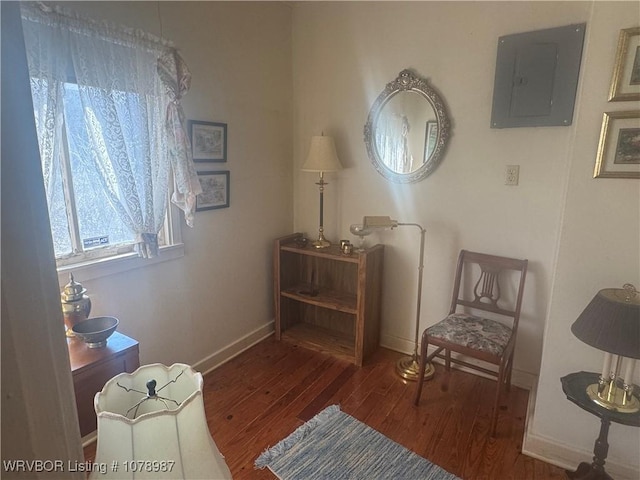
{"x": 486, "y": 291}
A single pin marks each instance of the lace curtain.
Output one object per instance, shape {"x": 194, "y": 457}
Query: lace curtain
{"x": 392, "y": 142}
{"x": 130, "y": 85}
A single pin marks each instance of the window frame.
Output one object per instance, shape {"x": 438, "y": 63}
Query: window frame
{"x": 110, "y": 258}
{"x": 113, "y": 259}
{"x": 95, "y": 268}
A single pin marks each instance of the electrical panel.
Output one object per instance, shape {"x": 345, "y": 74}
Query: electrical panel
{"x": 537, "y": 77}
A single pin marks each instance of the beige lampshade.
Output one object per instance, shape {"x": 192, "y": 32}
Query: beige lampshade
{"x": 322, "y": 156}
{"x": 161, "y": 439}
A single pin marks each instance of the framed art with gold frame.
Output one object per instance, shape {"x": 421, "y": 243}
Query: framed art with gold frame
{"x": 619, "y": 147}
{"x": 625, "y": 84}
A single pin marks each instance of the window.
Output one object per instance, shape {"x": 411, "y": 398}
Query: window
{"x": 110, "y": 131}
{"x": 83, "y": 222}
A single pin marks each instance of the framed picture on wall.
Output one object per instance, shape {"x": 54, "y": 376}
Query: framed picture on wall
{"x": 215, "y": 190}
{"x": 625, "y": 84}
{"x": 430, "y": 139}
{"x": 619, "y": 147}
{"x": 208, "y": 141}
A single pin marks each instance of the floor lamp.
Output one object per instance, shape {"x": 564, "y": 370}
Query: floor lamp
{"x": 407, "y": 367}
{"x": 322, "y": 158}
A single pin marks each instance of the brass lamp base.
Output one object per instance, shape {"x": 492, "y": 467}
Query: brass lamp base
{"x": 409, "y": 369}
{"x": 615, "y": 400}
{"x": 321, "y": 242}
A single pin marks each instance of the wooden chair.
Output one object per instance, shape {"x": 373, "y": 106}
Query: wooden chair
{"x": 467, "y": 333}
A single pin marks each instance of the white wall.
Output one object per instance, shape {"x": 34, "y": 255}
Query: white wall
{"x": 239, "y": 54}
{"x": 578, "y": 233}
{"x": 599, "y": 248}
{"x": 344, "y": 54}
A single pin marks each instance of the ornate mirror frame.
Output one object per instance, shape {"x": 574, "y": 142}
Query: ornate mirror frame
{"x": 407, "y": 81}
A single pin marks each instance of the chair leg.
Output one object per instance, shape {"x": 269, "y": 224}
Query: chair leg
{"x": 447, "y": 359}
{"x": 509, "y": 370}
{"x": 496, "y": 403}
{"x": 423, "y": 366}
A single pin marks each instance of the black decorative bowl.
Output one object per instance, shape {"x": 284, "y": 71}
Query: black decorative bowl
{"x": 95, "y": 331}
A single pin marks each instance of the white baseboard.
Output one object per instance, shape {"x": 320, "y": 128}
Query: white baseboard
{"x": 236, "y": 348}
{"x": 89, "y": 438}
{"x": 549, "y": 451}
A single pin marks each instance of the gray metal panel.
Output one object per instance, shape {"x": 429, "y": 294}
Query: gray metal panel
{"x": 536, "y": 77}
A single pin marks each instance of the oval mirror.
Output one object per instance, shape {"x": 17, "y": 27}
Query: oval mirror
{"x": 407, "y": 129}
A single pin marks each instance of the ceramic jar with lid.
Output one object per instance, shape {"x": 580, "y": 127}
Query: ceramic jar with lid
{"x": 76, "y": 305}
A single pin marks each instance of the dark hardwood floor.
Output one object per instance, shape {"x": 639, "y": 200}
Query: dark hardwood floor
{"x": 262, "y": 395}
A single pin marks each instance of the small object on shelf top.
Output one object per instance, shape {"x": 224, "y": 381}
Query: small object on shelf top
{"x": 347, "y": 249}
{"x": 73, "y": 290}
{"x": 301, "y": 241}
{"x": 76, "y": 305}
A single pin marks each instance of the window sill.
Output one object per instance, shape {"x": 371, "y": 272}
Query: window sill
{"x": 118, "y": 264}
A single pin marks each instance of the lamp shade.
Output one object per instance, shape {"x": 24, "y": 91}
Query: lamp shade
{"x": 379, "y": 222}
{"x": 611, "y": 322}
{"x": 322, "y": 156}
{"x": 162, "y": 437}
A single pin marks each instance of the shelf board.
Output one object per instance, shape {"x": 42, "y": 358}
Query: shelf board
{"x": 321, "y": 340}
{"x": 333, "y": 252}
{"x": 331, "y": 299}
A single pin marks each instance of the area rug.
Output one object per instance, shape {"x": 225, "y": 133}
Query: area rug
{"x": 336, "y": 446}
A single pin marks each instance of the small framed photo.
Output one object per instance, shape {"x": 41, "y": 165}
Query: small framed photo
{"x": 208, "y": 141}
{"x": 625, "y": 84}
{"x": 215, "y": 190}
{"x": 619, "y": 147}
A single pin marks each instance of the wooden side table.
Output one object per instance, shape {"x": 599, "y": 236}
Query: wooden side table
{"x": 92, "y": 367}
{"x": 574, "y": 386}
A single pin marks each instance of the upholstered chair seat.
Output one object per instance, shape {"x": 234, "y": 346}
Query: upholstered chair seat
{"x": 480, "y": 334}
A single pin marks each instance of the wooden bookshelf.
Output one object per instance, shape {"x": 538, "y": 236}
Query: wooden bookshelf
{"x": 328, "y": 301}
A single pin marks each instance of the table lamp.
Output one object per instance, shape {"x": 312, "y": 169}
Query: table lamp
{"x": 152, "y": 424}
{"x": 611, "y": 323}
{"x": 322, "y": 158}
{"x": 408, "y": 367}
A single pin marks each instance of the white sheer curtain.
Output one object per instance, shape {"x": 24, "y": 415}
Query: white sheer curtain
{"x": 392, "y": 142}
{"x": 130, "y": 84}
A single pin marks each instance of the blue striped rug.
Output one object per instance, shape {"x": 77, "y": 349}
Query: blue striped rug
{"x": 335, "y": 446}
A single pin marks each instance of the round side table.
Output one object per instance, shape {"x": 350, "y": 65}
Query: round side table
{"x": 575, "y": 386}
